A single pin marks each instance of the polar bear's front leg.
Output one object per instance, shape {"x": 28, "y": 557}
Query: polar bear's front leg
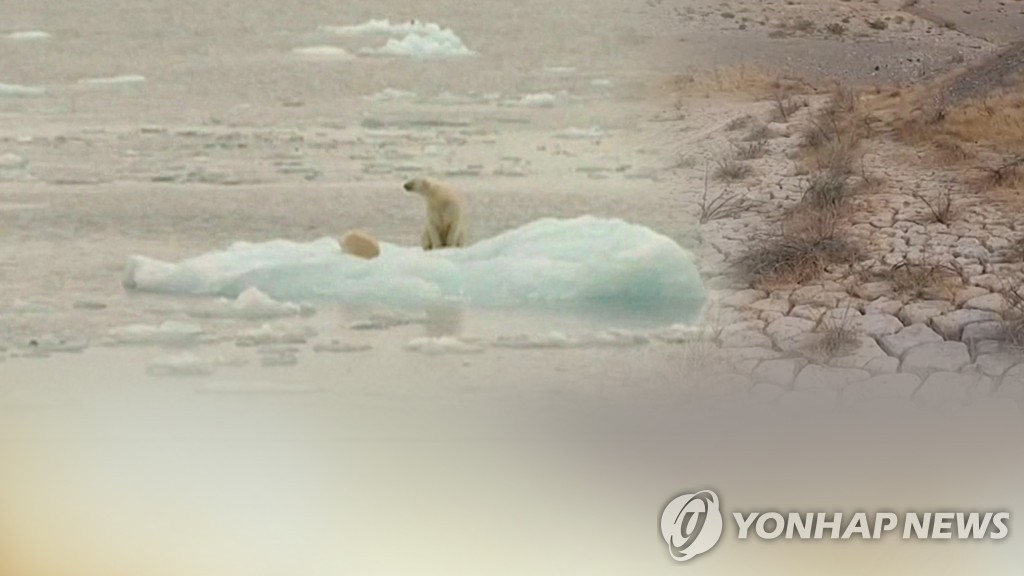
{"x": 425, "y": 239}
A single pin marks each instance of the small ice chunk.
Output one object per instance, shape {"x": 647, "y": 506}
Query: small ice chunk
{"x": 113, "y": 80}
{"x": 12, "y": 162}
{"x": 434, "y": 43}
{"x": 392, "y": 95}
{"x": 537, "y": 100}
{"x": 338, "y": 347}
{"x": 266, "y": 335}
{"x": 616, "y": 339}
{"x": 681, "y": 333}
{"x": 442, "y": 345}
{"x": 581, "y": 133}
{"x": 523, "y": 341}
{"x": 28, "y": 35}
{"x": 51, "y": 343}
{"x": 279, "y": 359}
{"x": 252, "y": 304}
{"x": 179, "y": 365}
{"x": 170, "y": 332}
{"x": 19, "y": 90}
{"x": 323, "y": 52}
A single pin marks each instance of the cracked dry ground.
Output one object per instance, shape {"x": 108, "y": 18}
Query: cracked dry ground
{"x": 925, "y": 313}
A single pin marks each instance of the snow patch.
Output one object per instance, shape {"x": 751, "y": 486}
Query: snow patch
{"x": 586, "y": 262}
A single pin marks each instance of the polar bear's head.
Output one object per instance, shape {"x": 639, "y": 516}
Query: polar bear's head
{"x": 420, "y": 186}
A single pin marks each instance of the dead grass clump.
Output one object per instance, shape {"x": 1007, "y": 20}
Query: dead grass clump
{"x": 786, "y": 106}
{"x": 1013, "y": 321}
{"x": 808, "y": 243}
{"x": 835, "y": 28}
{"x": 827, "y": 190}
{"x": 731, "y": 169}
{"x": 1007, "y": 175}
{"x": 941, "y": 209}
{"x": 751, "y": 150}
{"x": 739, "y": 123}
{"x": 949, "y": 151}
{"x": 725, "y": 204}
{"x": 915, "y": 280}
{"x": 758, "y": 133}
{"x": 836, "y": 336}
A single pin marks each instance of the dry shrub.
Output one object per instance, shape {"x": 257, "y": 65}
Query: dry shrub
{"x": 835, "y": 336}
{"x": 941, "y": 208}
{"x": 916, "y": 280}
{"x": 731, "y": 169}
{"x": 809, "y": 242}
{"x": 827, "y": 190}
{"x": 1013, "y": 321}
{"x": 751, "y": 150}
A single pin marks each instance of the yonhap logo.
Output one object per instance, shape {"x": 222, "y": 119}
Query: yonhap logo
{"x": 691, "y": 524}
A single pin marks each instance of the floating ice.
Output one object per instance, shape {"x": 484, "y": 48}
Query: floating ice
{"x": 392, "y": 95}
{"x": 338, "y": 347}
{"x": 113, "y": 80}
{"x": 526, "y": 342}
{"x": 414, "y": 38}
{"x": 28, "y": 35}
{"x": 443, "y": 345}
{"x": 442, "y": 44}
{"x": 558, "y": 340}
{"x": 179, "y": 365}
{"x": 19, "y": 90}
{"x": 252, "y": 304}
{"x": 267, "y": 335}
{"x": 384, "y": 27}
{"x": 538, "y": 100}
{"x": 323, "y": 52}
{"x": 580, "y": 133}
{"x": 169, "y": 332}
{"x": 13, "y": 167}
{"x": 604, "y": 265}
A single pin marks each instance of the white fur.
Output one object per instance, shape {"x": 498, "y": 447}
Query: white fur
{"x": 445, "y": 224}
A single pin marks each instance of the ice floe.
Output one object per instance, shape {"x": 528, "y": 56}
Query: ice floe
{"x": 585, "y": 262}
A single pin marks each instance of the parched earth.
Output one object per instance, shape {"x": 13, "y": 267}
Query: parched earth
{"x": 922, "y": 315}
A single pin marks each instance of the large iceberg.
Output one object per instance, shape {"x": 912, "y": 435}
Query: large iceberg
{"x": 584, "y": 263}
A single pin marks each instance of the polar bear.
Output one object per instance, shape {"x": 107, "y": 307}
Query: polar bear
{"x": 445, "y": 225}
{"x": 360, "y": 244}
